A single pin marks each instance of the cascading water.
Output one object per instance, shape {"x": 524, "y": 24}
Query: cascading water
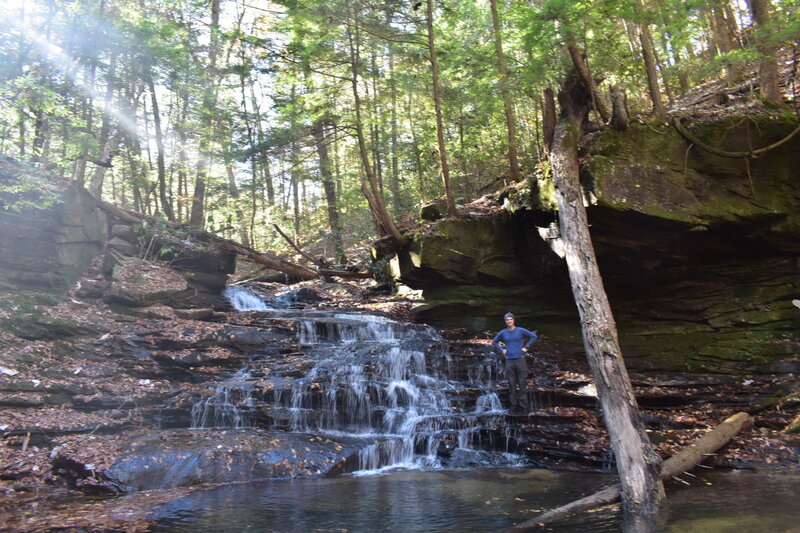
{"x": 387, "y": 384}
{"x": 223, "y": 409}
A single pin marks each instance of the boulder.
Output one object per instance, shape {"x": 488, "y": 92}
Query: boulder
{"x": 48, "y": 232}
{"x": 124, "y": 247}
{"x": 178, "y": 459}
{"x": 141, "y": 283}
{"x": 124, "y": 231}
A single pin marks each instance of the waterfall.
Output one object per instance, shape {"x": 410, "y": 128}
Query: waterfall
{"x": 243, "y": 300}
{"x": 223, "y": 408}
{"x": 388, "y": 384}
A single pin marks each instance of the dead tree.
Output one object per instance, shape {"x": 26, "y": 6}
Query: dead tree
{"x": 637, "y": 463}
{"x": 681, "y": 462}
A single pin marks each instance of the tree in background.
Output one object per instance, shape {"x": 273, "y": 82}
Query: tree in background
{"x": 187, "y": 109}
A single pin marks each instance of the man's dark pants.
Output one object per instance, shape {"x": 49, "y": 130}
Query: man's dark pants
{"x": 517, "y": 376}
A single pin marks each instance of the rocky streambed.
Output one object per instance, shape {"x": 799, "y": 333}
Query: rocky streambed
{"x": 139, "y": 407}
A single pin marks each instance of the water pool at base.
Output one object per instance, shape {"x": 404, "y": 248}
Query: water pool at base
{"x": 720, "y": 501}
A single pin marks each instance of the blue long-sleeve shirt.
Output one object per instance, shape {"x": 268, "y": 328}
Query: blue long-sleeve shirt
{"x": 514, "y": 341}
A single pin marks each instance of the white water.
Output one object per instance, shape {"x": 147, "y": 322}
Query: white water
{"x": 242, "y": 300}
{"x": 223, "y": 408}
{"x": 368, "y": 377}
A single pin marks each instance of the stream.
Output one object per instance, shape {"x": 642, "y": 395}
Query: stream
{"x": 365, "y": 377}
{"x": 429, "y": 455}
{"x": 483, "y": 499}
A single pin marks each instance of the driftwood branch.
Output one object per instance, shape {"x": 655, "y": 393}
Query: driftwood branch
{"x": 723, "y": 153}
{"x": 291, "y": 269}
{"x": 679, "y": 463}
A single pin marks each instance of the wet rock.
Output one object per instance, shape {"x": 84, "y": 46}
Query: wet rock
{"x": 179, "y": 459}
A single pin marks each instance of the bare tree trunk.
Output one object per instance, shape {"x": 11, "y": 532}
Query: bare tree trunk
{"x": 648, "y": 54}
{"x": 769, "y": 79}
{"x": 166, "y": 206}
{"x": 233, "y": 189}
{"x": 394, "y": 179}
{"x": 437, "y": 104}
{"x": 197, "y": 217}
{"x": 638, "y": 465}
{"x": 329, "y": 187}
{"x": 508, "y": 104}
{"x": 724, "y": 40}
{"x": 549, "y": 118}
{"x": 620, "y": 118}
{"x": 369, "y": 187}
{"x": 582, "y": 68}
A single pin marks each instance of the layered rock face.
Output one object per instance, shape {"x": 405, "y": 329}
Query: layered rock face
{"x": 46, "y": 241}
{"x": 699, "y": 252}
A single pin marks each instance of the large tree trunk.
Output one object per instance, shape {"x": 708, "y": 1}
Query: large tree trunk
{"x": 384, "y": 222}
{"x": 394, "y": 178}
{"x": 620, "y": 118}
{"x": 581, "y": 66}
{"x": 197, "y": 216}
{"x": 505, "y": 92}
{"x": 648, "y": 54}
{"x": 638, "y": 465}
{"x": 549, "y": 118}
{"x": 166, "y": 206}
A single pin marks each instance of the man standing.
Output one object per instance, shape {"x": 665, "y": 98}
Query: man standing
{"x": 514, "y": 342}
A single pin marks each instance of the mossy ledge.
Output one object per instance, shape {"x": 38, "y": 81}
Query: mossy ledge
{"x": 699, "y": 253}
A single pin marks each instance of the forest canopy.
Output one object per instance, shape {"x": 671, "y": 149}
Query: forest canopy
{"x": 334, "y": 119}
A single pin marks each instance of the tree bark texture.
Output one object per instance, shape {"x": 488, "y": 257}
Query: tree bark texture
{"x": 549, "y": 118}
{"x": 620, "y": 118}
{"x": 637, "y": 464}
{"x": 166, "y": 205}
{"x": 384, "y": 222}
{"x": 581, "y": 67}
{"x": 329, "y": 186}
{"x": 648, "y": 55}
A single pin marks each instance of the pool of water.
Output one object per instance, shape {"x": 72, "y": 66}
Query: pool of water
{"x": 477, "y": 500}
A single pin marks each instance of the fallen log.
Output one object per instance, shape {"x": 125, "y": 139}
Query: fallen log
{"x": 296, "y": 271}
{"x": 684, "y": 460}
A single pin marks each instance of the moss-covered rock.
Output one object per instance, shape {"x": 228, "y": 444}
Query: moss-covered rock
{"x": 698, "y": 253}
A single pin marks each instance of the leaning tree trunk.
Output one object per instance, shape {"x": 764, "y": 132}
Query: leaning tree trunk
{"x": 680, "y": 463}
{"x": 637, "y": 463}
